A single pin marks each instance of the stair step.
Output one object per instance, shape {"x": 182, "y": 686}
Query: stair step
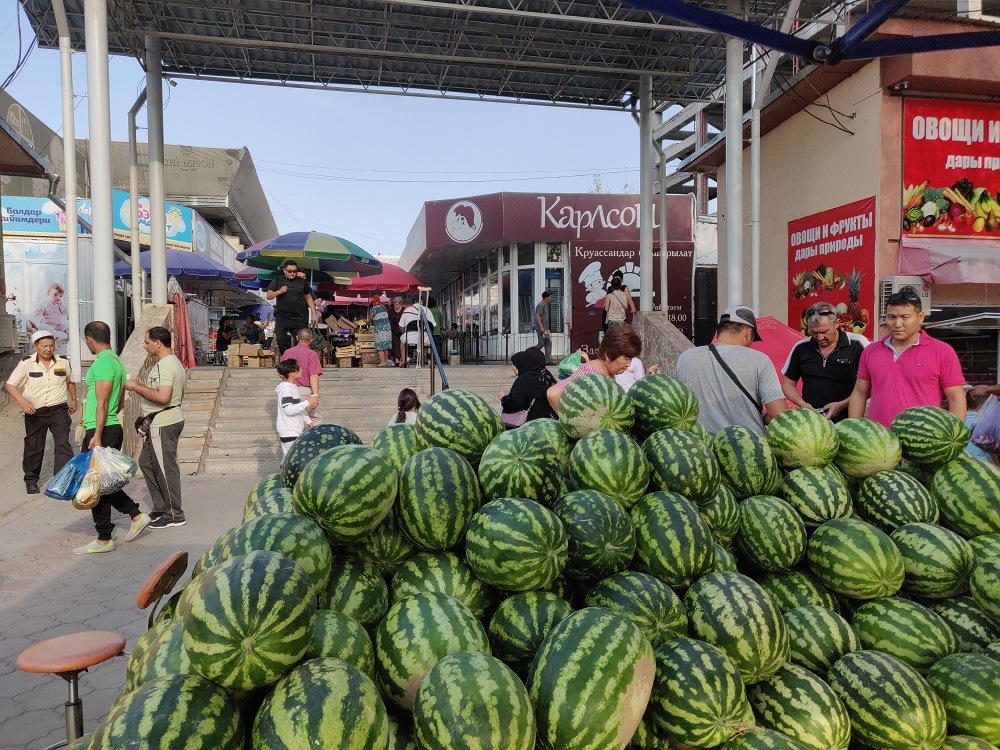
{"x": 248, "y": 466}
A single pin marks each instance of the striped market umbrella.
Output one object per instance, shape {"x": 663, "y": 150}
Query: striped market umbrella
{"x": 259, "y": 278}
{"x": 392, "y": 279}
{"x": 313, "y": 251}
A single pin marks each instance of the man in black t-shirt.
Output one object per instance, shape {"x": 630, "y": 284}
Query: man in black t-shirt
{"x": 295, "y": 307}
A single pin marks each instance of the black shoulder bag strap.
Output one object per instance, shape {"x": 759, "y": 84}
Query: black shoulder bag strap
{"x": 715, "y": 352}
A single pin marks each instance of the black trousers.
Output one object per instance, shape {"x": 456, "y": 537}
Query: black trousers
{"x": 54, "y": 419}
{"x": 111, "y": 437}
{"x": 285, "y": 332}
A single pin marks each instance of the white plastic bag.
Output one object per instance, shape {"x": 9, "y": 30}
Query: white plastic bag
{"x": 116, "y": 469}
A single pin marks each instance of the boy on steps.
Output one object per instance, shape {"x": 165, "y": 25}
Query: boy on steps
{"x": 292, "y": 419}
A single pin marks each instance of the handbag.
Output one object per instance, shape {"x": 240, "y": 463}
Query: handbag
{"x": 144, "y": 424}
{"x": 514, "y": 419}
{"x": 715, "y": 352}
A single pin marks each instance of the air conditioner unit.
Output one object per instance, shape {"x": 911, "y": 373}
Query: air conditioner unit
{"x": 8, "y": 333}
{"x": 916, "y": 284}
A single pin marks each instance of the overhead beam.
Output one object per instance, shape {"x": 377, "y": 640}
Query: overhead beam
{"x": 865, "y": 26}
{"x": 915, "y": 44}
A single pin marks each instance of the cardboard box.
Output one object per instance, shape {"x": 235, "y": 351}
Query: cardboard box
{"x": 252, "y": 361}
{"x": 455, "y": 359}
{"x": 250, "y": 350}
{"x": 345, "y": 362}
{"x": 369, "y": 358}
{"x": 234, "y": 360}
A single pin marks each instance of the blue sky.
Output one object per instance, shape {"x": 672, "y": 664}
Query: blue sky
{"x": 375, "y": 158}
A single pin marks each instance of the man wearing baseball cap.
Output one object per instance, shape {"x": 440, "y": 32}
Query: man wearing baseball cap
{"x": 735, "y": 384}
{"x": 48, "y": 401}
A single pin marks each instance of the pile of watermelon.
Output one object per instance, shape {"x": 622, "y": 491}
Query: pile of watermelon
{"x": 619, "y": 578}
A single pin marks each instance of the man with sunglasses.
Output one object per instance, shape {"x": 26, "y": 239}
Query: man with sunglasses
{"x": 295, "y": 308}
{"x": 826, "y": 363}
{"x": 907, "y": 367}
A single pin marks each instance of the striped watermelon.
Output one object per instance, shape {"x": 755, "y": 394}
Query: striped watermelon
{"x": 594, "y": 402}
{"x": 673, "y": 542}
{"x": 985, "y": 545}
{"x": 339, "y": 636}
{"x": 139, "y": 650}
{"x": 966, "y": 491}
{"x": 698, "y": 696}
{"x": 323, "y": 702}
{"x": 520, "y": 464}
{"x": 866, "y": 448}
{"x": 346, "y": 490}
{"x": 799, "y": 704}
{"x": 854, "y": 558}
{"x": 965, "y": 742}
{"x": 930, "y": 435}
{"x": 937, "y": 561}
{"x": 725, "y": 562}
{"x": 415, "y": 635}
{"x": 356, "y": 588}
{"x": 249, "y": 620}
{"x": 972, "y": 627}
{"x": 442, "y": 573}
{"x": 522, "y": 622}
{"x": 906, "y": 630}
{"x": 891, "y": 499}
{"x": 600, "y": 534}
{"x": 611, "y": 462}
{"x": 81, "y": 743}
{"x": 722, "y": 514}
{"x": 387, "y": 547}
{"x": 993, "y": 650}
{"x": 734, "y": 613}
{"x": 969, "y": 685}
{"x": 516, "y": 545}
{"x": 701, "y": 432}
{"x": 397, "y": 442}
{"x": 802, "y": 437}
{"x": 795, "y": 588}
{"x": 663, "y": 402}
{"x": 554, "y": 436}
{"x": 648, "y": 735}
{"x": 438, "y": 495}
{"x": 772, "y": 535}
{"x": 647, "y": 601}
{"x": 273, "y": 499}
{"x": 265, "y": 486}
{"x": 460, "y": 421}
{"x": 471, "y": 701}
{"x": 310, "y": 444}
{"x": 818, "y": 637}
{"x": 920, "y": 472}
{"x": 574, "y": 711}
{"x": 818, "y": 494}
{"x": 400, "y": 735}
{"x": 763, "y": 739}
{"x": 891, "y": 706}
{"x": 984, "y": 585}
{"x": 746, "y": 461}
{"x": 680, "y": 462}
{"x": 169, "y": 711}
{"x": 161, "y": 655}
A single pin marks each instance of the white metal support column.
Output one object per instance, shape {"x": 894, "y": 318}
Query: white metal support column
{"x": 734, "y": 166}
{"x": 157, "y": 200}
{"x": 647, "y": 174}
{"x": 664, "y": 256}
{"x": 99, "y": 118}
{"x": 138, "y": 277}
{"x": 755, "y": 83}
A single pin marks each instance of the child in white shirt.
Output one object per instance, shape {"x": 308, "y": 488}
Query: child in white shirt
{"x": 292, "y": 419}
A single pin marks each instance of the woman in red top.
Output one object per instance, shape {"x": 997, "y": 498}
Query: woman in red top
{"x": 614, "y": 355}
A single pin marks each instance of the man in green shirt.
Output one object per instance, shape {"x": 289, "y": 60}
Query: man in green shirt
{"x": 105, "y": 390}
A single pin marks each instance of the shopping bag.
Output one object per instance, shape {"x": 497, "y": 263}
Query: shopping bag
{"x": 116, "y": 469}
{"x": 89, "y": 493}
{"x": 568, "y": 366}
{"x": 66, "y": 482}
{"x": 986, "y": 427}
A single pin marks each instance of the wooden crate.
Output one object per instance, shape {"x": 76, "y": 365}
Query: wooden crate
{"x": 345, "y": 362}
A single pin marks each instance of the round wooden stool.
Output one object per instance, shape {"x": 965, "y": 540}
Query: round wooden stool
{"x": 68, "y": 656}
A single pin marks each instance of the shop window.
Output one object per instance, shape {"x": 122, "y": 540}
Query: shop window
{"x": 555, "y": 285}
{"x": 553, "y": 252}
{"x": 505, "y": 297}
{"x": 506, "y": 255}
{"x": 483, "y": 268}
{"x": 526, "y": 300}
{"x": 494, "y": 258}
{"x": 526, "y": 254}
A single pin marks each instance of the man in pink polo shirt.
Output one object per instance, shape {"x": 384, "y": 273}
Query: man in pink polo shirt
{"x": 906, "y": 368}
{"x": 310, "y": 365}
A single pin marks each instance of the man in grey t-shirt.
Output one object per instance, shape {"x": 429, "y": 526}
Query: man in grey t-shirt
{"x": 542, "y": 326}
{"x": 722, "y": 402}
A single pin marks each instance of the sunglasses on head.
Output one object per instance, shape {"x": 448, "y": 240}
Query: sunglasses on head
{"x": 821, "y": 311}
{"x": 907, "y": 295}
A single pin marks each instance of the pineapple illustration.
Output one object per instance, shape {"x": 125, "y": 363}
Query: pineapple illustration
{"x": 854, "y": 291}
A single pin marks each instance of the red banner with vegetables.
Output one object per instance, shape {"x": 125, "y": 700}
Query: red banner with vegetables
{"x": 831, "y": 258}
{"x": 951, "y": 168}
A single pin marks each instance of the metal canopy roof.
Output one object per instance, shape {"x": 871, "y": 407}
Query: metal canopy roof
{"x": 17, "y": 157}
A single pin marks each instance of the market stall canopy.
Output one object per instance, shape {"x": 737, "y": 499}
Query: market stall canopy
{"x": 259, "y": 278}
{"x": 941, "y": 261}
{"x": 313, "y": 251}
{"x": 180, "y": 263}
{"x": 392, "y": 279}
{"x": 17, "y": 157}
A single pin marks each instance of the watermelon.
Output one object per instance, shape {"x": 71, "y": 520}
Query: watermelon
{"x": 169, "y": 711}
{"x": 460, "y": 421}
{"x": 663, "y": 402}
{"x": 984, "y": 585}
{"x": 818, "y": 637}
{"x": 249, "y": 620}
{"x": 985, "y": 545}
{"x": 772, "y": 535}
{"x": 324, "y": 702}
{"x": 725, "y": 562}
{"x": 930, "y": 435}
{"x": 416, "y": 634}
{"x": 397, "y": 442}
{"x": 802, "y": 437}
{"x": 818, "y": 494}
{"x": 891, "y": 706}
{"x": 265, "y": 499}
{"x": 647, "y": 601}
{"x": 574, "y": 710}
{"x": 355, "y": 588}
{"x": 972, "y": 627}
{"x": 993, "y": 650}
{"x": 163, "y": 654}
{"x": 964, "y": 742}
{"x": 522, "y": 622}
{"x": 346, "y": 490}
{"x": 763, "y": 739}
{"x": 442, "y": 573}
{"x": 649, "y": 736}
{"x": 854, "y": 558}
{"x": 594, "y": 402}
{"x": 722, "y": 514}
{"x": 310, "y": 444}
{"x": 81, "y": 743}
{"x": 600, "y": 534}
{"x": 866, "y": 448}
{"x": 906, "y": 630}
{"x": 966, "y": 491}
{"x": 471, "y": 701}
{"x": 673, "y": 542}
{"x": 516, "y": 544}
{"x": 799, "y": 704}
{"x": 139, "y": 650}
{"x": 937, "y": 561}
{"x": 734, "y": 613}
{"x": 438, "y": 495}
{"x": 400, "y": 735}
{"x": 795, "y": 588}
{"x": 680, "y": 462}
{"x": 891, "y": 499}
{"x": 339, "y": 636}
{"x": 553, "y": 435}
{"x": 746, "y": 461}
{"x": 387, "y": 547}
{"x": 698, "y": 696}
{"x": 520, "y": 464}
{"x": 611, "y": 462}
{"x": 969, "y": 685}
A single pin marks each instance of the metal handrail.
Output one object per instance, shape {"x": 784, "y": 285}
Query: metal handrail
{"x": 435, "y": 354}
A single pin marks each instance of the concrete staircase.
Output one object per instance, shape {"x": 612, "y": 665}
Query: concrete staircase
{"x": 200, "y": 396}
{"x": 242, "y": 438}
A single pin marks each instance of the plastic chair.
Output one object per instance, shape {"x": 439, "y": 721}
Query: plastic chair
{"x": 160, "y": 583}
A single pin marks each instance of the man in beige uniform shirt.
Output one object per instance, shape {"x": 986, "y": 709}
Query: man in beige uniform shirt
{"x": 48, "y": 403}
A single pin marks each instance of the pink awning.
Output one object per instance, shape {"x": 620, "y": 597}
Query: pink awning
{"x": 941, "y": 261}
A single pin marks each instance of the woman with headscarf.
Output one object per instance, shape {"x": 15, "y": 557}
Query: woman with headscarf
{"x": 395, "y": 311}
{"x": 379, "y": 319}
{"x": 528, "y": 392}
